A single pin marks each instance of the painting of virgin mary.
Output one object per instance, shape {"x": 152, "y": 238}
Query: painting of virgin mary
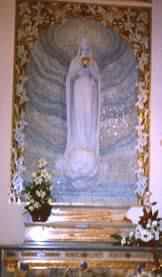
{"x": 81, "y": 113}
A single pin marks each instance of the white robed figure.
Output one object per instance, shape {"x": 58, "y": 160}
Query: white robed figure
{"x": 83, "y": 112}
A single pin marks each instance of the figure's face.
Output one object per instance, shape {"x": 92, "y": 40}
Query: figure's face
{"x": 85, "y": 51}
{"x": 85, "y": 61}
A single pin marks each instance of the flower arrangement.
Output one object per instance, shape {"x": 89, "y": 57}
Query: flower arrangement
{"x": 147, "y": 230}
{"x": 38, "y": 193}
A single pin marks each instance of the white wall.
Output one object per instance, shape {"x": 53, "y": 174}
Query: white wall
{"x": 7, "y": 24}
{"x": 11, "y": 221}
{"x": 156, "y": 105}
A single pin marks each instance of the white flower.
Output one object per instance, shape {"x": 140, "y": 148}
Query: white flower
{"x": 38, "y": 180}
{"x": 34, "y": 175}
{"x": 28, "y": 198}
{"x": 38, "y": 193}
{"x": 42, "y": 194}
{"x": 44, "y": 172}
{"x": 123, "y": 241}
{"x": 134, "y": 214}
{"x": 50, "y": 188}
{"x": 148, "y": 226}
{"x": 49, "y": 177}
{"x": 42, "y": 163}
{"x": 49, "y": 201}
{"x": 131, "y": 235}
{"x": 17, "y": 182}
{"x": 19, "y": 132}
{"x": 20, "y": 168}
{"x": 146, "y": 235}
{"x": 32, "y": 200}
{"x": 19, "y": 136}
{"x": 138, "y": 232}
{"x": 157, "y": 235}
{"x": 154, "y": 223}
{"x": 143, "y": 234}
{"x": 36, "y": 205}
{"x": 31, "y": 208}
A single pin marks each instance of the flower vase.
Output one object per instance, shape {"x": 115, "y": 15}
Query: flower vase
{"x": 42, "y": 214}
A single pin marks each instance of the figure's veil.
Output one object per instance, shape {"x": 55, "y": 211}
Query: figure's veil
{"x": 73, "y": 68}
{"x": 84, "y": 45}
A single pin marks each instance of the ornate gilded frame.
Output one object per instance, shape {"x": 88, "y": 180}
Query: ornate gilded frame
{"x": 133, "y": 24}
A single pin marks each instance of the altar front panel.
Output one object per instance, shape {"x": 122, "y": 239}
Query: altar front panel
{"x": 67, "y": 260}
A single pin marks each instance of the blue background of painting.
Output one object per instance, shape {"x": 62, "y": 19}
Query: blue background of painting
{"x": 46, "y": 111}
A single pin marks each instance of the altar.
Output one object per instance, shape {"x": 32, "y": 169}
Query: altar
{"x": 80, "y": 259}
{"x": 89, "y": 209}
{"x": 79, "y": 241}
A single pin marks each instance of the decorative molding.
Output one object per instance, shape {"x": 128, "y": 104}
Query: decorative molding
{"x": 122, "y": 262}
{"x": 125, "y": 3}
{"x": 32, "y": 17}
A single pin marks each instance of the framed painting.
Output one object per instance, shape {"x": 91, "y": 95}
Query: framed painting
{"x": 81, "y": 100}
